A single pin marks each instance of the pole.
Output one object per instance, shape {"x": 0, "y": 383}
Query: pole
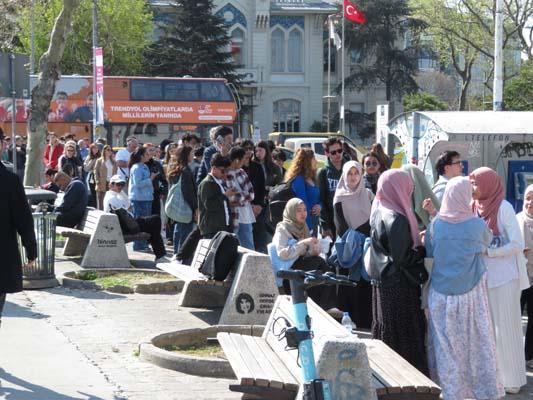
{"x": 32, "y": 39}
{"x": 329, "y": 71}
{"x": 497, "y": 97}
{"x": 342, "y": 71}
{"x": 95, "y": 44}
{"x": 13, "y": 110}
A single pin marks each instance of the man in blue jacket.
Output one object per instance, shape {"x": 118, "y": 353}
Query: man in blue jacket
{"x": 72, "y": 208}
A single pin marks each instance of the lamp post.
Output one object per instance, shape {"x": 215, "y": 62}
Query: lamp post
{"x": 497, "y": 98}
{"x": 95, "y": 44}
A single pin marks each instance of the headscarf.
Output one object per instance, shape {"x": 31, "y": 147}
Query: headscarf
{"x": 456, "y": 201}
{"x": 526, "y": 221}
{"x": 299, "y": 231}
{"x": 356, "y": 203}
{"x": 491, "y": 195}
{"x": 421, "y": 192}
{"x": 395, "y": 188}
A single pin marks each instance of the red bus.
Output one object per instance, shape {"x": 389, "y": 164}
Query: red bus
{"x": 151, "y": 109}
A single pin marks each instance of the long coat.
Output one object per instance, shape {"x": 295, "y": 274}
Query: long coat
{"x": 15, "y": 216}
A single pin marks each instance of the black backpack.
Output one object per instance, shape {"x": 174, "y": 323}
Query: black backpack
{"x": 277, "y": 199}
{"x": 221, "y": 256}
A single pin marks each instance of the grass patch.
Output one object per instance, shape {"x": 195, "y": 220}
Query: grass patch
{"x": 206, "y": 350}
{"x": 120, "y": 279}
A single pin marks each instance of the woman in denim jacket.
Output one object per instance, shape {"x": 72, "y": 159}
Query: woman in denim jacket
{"x": 141, "y": 190}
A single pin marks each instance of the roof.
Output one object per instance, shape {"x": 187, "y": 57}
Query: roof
{"x": 306, "y": 6}
{"x": 482, "y": 122}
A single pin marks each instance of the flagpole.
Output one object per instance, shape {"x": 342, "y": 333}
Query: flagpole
{"x": 329, "y": 70}
{"x": 342, "y": 71}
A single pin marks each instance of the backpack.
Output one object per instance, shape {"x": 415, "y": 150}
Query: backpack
{"x": 278, "y": 197}
{"x": 221, "y": 256}
{"x": 176, "y": 208}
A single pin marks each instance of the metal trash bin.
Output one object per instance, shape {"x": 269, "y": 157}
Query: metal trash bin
{"x": 42, "y": 274}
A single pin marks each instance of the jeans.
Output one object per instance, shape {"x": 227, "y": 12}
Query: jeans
{"x": 141, "y": 209}
{"x": 245, "y": 233}
{"x": 181, "y": 231}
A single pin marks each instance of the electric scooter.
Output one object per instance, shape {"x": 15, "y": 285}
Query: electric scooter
{"x": 301, "y": 335}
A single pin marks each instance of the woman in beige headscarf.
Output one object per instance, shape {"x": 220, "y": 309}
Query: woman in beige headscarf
{"x": 293, "y": 241}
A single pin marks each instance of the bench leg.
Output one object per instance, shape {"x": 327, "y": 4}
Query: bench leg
{"x": 202, "y": 296}
{"x": 75, "y": 246}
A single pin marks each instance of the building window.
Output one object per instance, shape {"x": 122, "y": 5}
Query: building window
{"x": 295, "y": 54}
{"x": 286, "y": 116}
{"x": 237, "y": 46}
{"x": 278, "y": 50}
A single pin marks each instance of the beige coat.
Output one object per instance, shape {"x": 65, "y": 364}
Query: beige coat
{"x": 285, "y": 252}
{"x": 100, "y": 174}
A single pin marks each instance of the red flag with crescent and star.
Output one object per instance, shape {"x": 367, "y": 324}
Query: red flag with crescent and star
{"x": 352, "y": 13}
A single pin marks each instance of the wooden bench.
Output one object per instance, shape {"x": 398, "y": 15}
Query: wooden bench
{"x": 99, "y": 240}
{"x": 265, "y": 370}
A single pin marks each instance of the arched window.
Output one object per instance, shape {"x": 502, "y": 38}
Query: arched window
{"x": 286, "y": 116}
{"x": 278, "y": 50}
{"x": 237, "y": 46}
{"x": 295, "y": 51}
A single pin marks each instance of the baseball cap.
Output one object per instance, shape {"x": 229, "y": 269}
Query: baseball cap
{"x": 117, "y": 179}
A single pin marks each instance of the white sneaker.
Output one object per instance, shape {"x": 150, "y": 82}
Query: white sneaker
{"x": 512, "y": 390}
{"x": 162, "y": 260}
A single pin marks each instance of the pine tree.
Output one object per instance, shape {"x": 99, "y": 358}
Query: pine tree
{"x": 194, "y": 42}
{"x": 383, "y": 57}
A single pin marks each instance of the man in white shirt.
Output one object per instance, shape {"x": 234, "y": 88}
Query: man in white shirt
{"x": 123, "y": 157}
{"x": 448, "y": 166}
{"x": 115, "y": 198}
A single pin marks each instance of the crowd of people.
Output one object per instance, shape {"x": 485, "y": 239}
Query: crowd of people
{"x": 442, "y": 271}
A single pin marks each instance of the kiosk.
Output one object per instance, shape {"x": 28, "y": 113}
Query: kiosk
{"x": 502, "y": 140}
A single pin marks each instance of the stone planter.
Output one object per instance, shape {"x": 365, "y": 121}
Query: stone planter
{"x": 72, "y": 280}
{"x": 152, "y": 350}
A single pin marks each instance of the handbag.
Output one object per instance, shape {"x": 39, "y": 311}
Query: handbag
{"x": 176, "y": 207}
{"x": 128, "y": 224}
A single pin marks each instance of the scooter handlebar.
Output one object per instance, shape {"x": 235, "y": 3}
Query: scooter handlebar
{"x": 314, "y": 278}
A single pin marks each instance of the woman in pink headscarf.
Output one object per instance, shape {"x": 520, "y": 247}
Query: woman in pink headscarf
{"x": 461, "y": 347}
{"x": 503, "y": 274}
{"x": 398, "y": 258}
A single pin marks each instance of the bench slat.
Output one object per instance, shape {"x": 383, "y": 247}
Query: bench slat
{"x": 263, "y": 360}
{"x": 235, "y": 358}
{"x": 249, "y": 359}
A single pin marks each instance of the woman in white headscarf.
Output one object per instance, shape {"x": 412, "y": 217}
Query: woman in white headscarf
{"x": 351, "y": 210}
{"x": 525, "y": 221}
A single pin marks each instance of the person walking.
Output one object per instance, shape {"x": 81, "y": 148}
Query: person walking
{"x": 293, "y": 241}
{"x": 181, "y": 171}
{"x": 525, "y": 222}
{"x": 352, "y": 203}
{"x": 88, "y": 167}
{"x": 302, "y": 173}
{"x": 15, "y": 219}
{"x": 461, "y": 346}
{"x": 105, "y": 168}
{"x": 396, "y": 251}
{"x": 140, "y": 190}
{"x": 503, "y": 274}
{"x": 328, "y": 178}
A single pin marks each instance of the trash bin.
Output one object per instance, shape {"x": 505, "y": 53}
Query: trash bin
{"x": 42, "y": 274}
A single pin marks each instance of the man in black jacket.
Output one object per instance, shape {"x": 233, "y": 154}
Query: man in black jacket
{"x": 213, "y": 203}
{"x": 328, "y": 178}
{"x": 222, "y": 137}
{"x": 72, "y": 208}
{"x": 15, "y": 217}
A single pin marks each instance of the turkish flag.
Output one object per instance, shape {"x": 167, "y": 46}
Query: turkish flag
{"x": 352, "y": 13}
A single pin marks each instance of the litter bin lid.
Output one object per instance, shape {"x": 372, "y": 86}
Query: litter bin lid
{"x": 38, "y": 195}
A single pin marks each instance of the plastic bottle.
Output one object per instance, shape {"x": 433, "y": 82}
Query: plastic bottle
{"x": 346, "y": 321}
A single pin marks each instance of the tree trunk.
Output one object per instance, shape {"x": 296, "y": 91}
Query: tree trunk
{"x": 42, "y": 93}
{"x": 464, "y": 93}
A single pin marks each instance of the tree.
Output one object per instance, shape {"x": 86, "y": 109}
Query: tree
{"x": 194, "y": 42}
{"x": 9, "y": 29}
{"x": 41, "y": 94}
{"x": 379, "y": 44}
{"x": 439, "y": 84}
{"x": 518, "y": 94}
{"x": 445, "y": 22}
{"x": 124, "y": 28}
{"x": 423, "y": 101}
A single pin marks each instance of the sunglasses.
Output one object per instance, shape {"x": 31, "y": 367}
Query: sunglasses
{"x": 371, "y": 163}
{"x": 118, "y": 183}
{"x": 456, "y": 162}
{"x": 334, "y": 152}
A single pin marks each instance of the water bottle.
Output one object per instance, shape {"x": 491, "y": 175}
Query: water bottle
{"x": 347, "y": 322}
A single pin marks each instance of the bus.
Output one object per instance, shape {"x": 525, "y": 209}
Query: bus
{"x": 152, "y": 109}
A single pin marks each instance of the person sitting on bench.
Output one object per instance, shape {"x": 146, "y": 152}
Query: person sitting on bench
{"x": 293, "y": 241}
{"x": 115, "y": 198}
{"x": 71, "y": 210}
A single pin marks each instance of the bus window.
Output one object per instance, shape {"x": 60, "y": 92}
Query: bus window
{"x": 181, "y": 91}
{"x": 319, "y": 149}
{"x": 215, "y": 91}
{"x": 146, "y": 89}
